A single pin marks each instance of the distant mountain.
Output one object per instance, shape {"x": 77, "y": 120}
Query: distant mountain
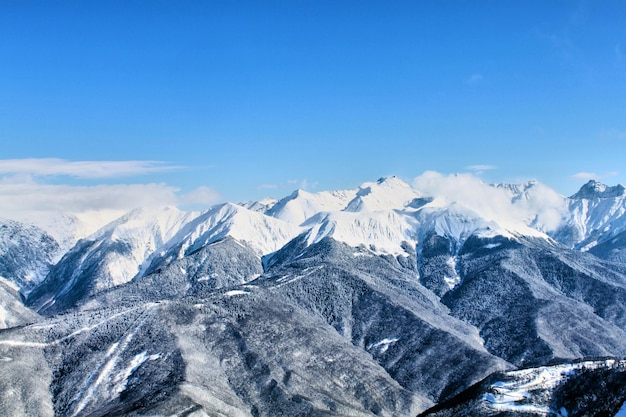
{"x": 380, "y": 300}
{"x": 13, "y": 313}
{"x": 26, "y": 254}
{"x": 114, "y": 255}
{"x": 597, "y": 220}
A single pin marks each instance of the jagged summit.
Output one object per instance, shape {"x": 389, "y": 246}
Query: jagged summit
{"x": 595, "y": 189}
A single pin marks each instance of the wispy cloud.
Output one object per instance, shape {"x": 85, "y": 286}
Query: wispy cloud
{"x": 33, "y": 197}
{"x": 613, "y": 134}
{"x": 23, "y": 194}
{"x": 474, "y": 79}
{"x": 561, "y": 44}
{"x": 304, "y": 184}
{"x": 586, "y": 176}
{"x": 202, "y": 196}
{"x": 81, "y": 169}
{"x": 33, "y": 200}
{"x": 480, "y": 168}
{"x": 620, "y": 55}
{"x": 266, "y": 187}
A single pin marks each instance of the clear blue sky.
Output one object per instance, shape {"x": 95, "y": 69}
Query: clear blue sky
{"x": 253, "y": 98}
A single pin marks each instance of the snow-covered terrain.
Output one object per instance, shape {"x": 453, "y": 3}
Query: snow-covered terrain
{"x": 26, "y": 254}
{"x": 528, "y": 390}
{"x": 385, "y": 299}
{"x": 597, "y": 214}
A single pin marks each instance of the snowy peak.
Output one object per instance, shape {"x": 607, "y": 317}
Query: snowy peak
{"x": 261, "y": 206}
{"x": 518, "y": 189}
{"x": 385, "y": 194}
{"x": 596, "y": 214}
{"x": 594, "y": 190}
{"x": 262, "y": 233}
{"x": 381, "y": 232}
{"x": 301, "y": 205}
{"x": 159, "y": 224}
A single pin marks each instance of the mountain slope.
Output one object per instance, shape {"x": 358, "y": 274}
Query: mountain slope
{"x": 145, "y": 240}
{"x": 26, "y": 254}
{"x": 112, "y": 256}
{"x": 532, "y": 304}
{"x": 597, "y": 215}
{"x": 586, "y": 388}
{"x": 12, "y": 310}
{"x": 382, "y": 300}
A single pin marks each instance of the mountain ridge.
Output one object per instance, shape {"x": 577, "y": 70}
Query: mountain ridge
{"x": 385, "y": 300}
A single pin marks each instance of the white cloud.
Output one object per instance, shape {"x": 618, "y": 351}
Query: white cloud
{"x": 266, "y": 187}
{"x": 620, "y": 55}
{"x": 474, "y": 79}
{"x": 308, "y": 185}
{"x": 467, "y": 190}
{"x": 24, "y": 197}
{"x": 304, "y": 184}
{"x": 586, "y": 176}
{"x": 17, "y": 198}
{"x": 81, "y": 169}
{"x": 613, "y": 134}
{"x": 543, "y": 205}
{"x": 481, "y": 168}
{"x": 203, "y": 196}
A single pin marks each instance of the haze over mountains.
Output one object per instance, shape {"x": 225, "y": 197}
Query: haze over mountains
{"x": 387, "y": 299}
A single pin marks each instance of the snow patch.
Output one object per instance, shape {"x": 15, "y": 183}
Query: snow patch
{"x": 526, "y": 388}
{"x": 383, "y": 345}
{"x": 455, "y": 279}
{"x": 235, "y": 292}
{"x": 121, "y": 379}
{"x": 492, "y": 245}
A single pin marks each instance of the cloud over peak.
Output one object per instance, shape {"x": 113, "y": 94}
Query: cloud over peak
{"x": 586, "y": 176}
{"x": 23, "y": 194}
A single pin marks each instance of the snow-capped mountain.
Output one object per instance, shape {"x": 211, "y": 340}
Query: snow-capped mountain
{"x": 597, "y": 214}
{"x": 385, "y": 299}
{"x": 69, "y": 228}
{"x": 112, "y": 256}
{"x": 143, "y": 239}
{"x": 26, "y": 254}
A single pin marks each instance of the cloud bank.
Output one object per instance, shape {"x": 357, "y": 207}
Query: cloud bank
{"x": 24, "y": 196}
{"x": 540, "y": 206}
{"x": 81, "y": 169}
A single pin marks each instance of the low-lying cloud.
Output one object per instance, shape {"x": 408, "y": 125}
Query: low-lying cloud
{"x": 541, "y": 205}
{"x": 25, "y": 194}
{"x": 81, "y": 169}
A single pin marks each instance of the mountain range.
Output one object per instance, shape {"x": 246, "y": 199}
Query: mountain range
{"x": 443, "y": 297}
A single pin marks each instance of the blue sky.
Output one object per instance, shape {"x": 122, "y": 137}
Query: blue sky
{"x": 229, "y": 100}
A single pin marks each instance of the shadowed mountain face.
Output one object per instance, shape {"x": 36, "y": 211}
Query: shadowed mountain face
{"x": 26, "y": 254}
{"x": 326, "y": 329}
{"x": 570, "y": 389}
{"x": 363, "y": 309}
